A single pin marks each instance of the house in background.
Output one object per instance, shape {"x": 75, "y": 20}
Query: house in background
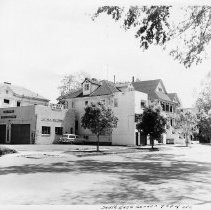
{"x": 126, "y": 104}
{"x": 15, "y": 96}
{"x": 169, "y": 102}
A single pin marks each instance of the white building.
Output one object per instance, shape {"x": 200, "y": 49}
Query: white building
{"x": 125, "y": 105}
{"x": 35, "y": 124}
{"x": 15, "y": 96}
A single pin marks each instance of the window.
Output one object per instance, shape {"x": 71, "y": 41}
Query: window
{"x": 163, "y": 106}
{"x": 167, "y": 107}
{"x": 46, "y": 130}
{"x": 6, "y": 101}
{"x": 160, "y": 89}
{"x": 143, "y": 104}
{"x": 86, "y": 103}
{"x": 171, "y": 109}
{"x": 58, "y": 130}
{"x": 7, "y": 91}
{"x": 86, "y": 87}
{"x": 171, "y": 122}
{"x": 73, "y": 104}
{"x": 115, "y": 102}
{"x": 18, "y": 103}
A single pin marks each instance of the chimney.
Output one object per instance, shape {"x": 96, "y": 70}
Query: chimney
{"x": 133, "y": 79}
{"x": 114, "y": 79}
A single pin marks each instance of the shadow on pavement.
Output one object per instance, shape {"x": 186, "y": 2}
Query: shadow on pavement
{"x": 135, "y": 180}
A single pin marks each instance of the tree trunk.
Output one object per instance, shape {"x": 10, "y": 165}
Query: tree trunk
{"x": 152, "y": 142}
{"x": 186, "y": 140}
{"x": 98, "y": 142}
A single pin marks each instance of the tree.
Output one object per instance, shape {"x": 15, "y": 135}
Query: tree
{"x": 203, "y": 106}
{"x": 99, "y": 119}
{"x": 152, "y": 123}
{"x": 187, "y": 122}
{"x": 185, "y": 32}
{"x": 72, "y": 82}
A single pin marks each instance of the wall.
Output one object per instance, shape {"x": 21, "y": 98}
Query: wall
{"x": 53, "y": 118}
{"x": 14, "y": 99}
{"x": 18, "y": 115}
{"x": 129, "y": 105}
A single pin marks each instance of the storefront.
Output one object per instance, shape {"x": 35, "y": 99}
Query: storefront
{"x": 35, "y": 124}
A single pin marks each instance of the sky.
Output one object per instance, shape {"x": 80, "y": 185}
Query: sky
{"x": 43, "y": 40}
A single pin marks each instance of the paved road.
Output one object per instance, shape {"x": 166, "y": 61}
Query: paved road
{"x": 53, "y": 175}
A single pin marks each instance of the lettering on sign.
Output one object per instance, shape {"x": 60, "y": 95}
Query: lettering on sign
{"x": 9, "y": 111}
{"x": 6, "y": 117}
{"x": 51, "y": 120}
{"x": 56, "y": 106}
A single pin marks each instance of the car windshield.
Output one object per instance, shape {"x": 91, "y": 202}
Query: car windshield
{"x": 71, "y": 136}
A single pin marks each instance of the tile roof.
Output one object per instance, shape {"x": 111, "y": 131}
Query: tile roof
{"x": 23, "y": 92}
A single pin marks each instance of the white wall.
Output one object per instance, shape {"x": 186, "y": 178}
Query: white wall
{"x": 52, "y": 118}
{"x": 14, "y": 99}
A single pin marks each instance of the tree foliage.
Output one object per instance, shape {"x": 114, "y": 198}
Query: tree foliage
{"x": 203, "y": 106}
{"x": 99, "y": 119}
{"x": 186, "y": 37}
{"x": 187, "y": 122}
{"x": 72, "y": 82}
{"x": 152, "y": 123}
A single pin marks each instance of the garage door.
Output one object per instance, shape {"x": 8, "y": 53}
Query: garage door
{"x": 2, "y": 134}
{"x": 20, "y": 134}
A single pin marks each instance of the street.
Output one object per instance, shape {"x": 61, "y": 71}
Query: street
{"x": 54, "y": 175}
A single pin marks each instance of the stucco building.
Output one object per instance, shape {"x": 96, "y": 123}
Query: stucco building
{"x": 126, "y": 104}
{"x": 16, "y": 96}
{"x": 35, "y": 124}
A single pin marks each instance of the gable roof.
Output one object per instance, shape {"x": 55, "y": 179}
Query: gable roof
{"x": 174, "y": 96}
{"x": 105, "y": 88}
{"x": 149, "y": 87}
{"x": 93, "y": 81}
{"x": 23, "y": 92}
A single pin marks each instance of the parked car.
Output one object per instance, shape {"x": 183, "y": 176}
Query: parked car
{"x": 68, "y": 138}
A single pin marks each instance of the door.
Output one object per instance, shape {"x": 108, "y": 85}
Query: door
{"x": 143, "y": 139}
{"x": 20, "y": 134}
{"x": 137, "y": 139}
{"x": 2, "y": 134}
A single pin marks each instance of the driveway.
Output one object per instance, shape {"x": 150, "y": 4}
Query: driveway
{"x": 54, "y": 175}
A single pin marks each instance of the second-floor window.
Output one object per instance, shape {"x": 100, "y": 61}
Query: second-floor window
{"x": 86, "y": 103}
{"x": 6, "y": 101}
{"x": 143, "y": 104}
{"x": 86, "y": 87}
{"x": 73, "y": 104}
{"x": 163, "y": 106}
{"x": 167, "y": 107}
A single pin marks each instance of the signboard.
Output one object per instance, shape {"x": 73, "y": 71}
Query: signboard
{"x": 8, "y": 111}
{"x": 51, "y": 120}
{"x": 56, "y": 106}
{"x": 8, "y": 117}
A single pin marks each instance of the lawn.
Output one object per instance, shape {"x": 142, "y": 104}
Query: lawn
{"x": 55, "y": 175}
